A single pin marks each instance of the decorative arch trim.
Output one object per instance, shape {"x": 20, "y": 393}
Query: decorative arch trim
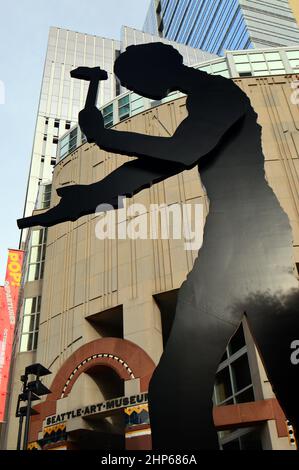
{"x": 127, "y": 359}
{"x": 108, "y": 360}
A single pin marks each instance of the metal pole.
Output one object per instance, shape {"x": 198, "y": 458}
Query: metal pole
{"x": 20, "y": 432}
{"x": 26, "y": 433}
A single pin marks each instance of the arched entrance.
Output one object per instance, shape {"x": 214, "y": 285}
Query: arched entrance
{"x": 105, "y": 364}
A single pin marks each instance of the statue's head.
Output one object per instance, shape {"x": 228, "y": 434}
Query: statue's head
{"x": 150, "y": 70}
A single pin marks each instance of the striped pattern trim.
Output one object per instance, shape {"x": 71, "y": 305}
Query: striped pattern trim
{"x": 90, "y": 358}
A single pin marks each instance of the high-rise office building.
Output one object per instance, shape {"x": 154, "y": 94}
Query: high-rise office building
{"x": 191, "y": 56}
{"x": 225, "y": 24}
{"x": 62, "y": 98}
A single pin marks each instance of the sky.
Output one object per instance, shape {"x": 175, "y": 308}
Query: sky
{"x": 24, "y": 27}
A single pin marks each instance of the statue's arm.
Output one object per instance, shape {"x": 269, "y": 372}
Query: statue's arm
{"x": 195, "y": 137}
{"x": 132, "y": 143}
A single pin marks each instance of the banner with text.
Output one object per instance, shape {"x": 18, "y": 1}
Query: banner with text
{"x": 9, "y": 294}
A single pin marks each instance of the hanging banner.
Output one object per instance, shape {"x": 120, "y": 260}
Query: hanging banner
{"x": 9, "y": 294}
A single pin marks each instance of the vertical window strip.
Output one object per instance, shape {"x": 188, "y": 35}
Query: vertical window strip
{"x": 30, "y": 325}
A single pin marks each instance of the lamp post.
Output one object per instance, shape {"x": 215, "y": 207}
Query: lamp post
{"x": 31, "y": 391}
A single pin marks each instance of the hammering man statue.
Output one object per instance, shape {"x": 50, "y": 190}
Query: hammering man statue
{"x": 245, "y": 265}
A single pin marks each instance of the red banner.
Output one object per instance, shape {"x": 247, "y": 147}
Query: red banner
{"x": 9, "y": 294}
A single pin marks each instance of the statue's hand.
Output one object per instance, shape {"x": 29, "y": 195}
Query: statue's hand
{"x": 92, "y": 123}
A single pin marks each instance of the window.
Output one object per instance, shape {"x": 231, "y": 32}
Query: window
{"x": 293, "y": 57}
{"x": 108, "y": 115}
{"x": 55, "y": 140}
{"x": 124, "y": 107}
{"x": 233, "y": 385}
{"x": 294, "y": 63}
{"x": 46, "y": 197}
{"x": 241, "y": 58}
{"x": 37, "y": 251}
{"x": 245, "y": 74}
{"x": 272, "y": 56}
{"x": 45, "y": 137}
{"x": 223, "y": 386}
{"x": 68, "y": 124}
{"x": 256, "y": 57}
{"x": 276, "y": 65}
{"x": 242, "y": 439}
{"x": 136, "y": 104}
{"x": 56, "y": 123}
{"x": 73, "y": 139}
{"x": 243, "y": 67}
{"x": 220, "y": 67}
{"x": 237, "y": 342}
{"x": 293, "y": 54}
{"x": 233, "y": 382}
{"x": 259, "y": 66}
{"x": 30, "y": 325}
{"x": 64, "y": 146}
{"x": 241, "y": 373}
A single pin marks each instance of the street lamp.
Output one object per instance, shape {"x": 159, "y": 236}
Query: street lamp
{"x": 31, "y": 391}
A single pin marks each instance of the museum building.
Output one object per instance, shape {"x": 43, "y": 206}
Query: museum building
{"x": 98, "y": 312}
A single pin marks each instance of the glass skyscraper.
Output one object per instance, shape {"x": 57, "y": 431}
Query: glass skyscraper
{"x": 216, "y": 26}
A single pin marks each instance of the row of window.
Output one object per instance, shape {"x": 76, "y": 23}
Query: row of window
{"x": 67, "y": 125}
{"x": 54, "y": 140}
{"x": 52, "y": 161}
{"x": 57, "y": 123}
{"x": 35, "y": 271}
{"x": 247, "y": 64}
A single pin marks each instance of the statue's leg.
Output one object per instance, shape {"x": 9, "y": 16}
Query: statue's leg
{"x": 274, "y": 323}
{"x": 181, "y": 389}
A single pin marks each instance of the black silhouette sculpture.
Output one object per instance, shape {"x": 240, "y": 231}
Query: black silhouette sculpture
{"x": 245, "y": 266}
